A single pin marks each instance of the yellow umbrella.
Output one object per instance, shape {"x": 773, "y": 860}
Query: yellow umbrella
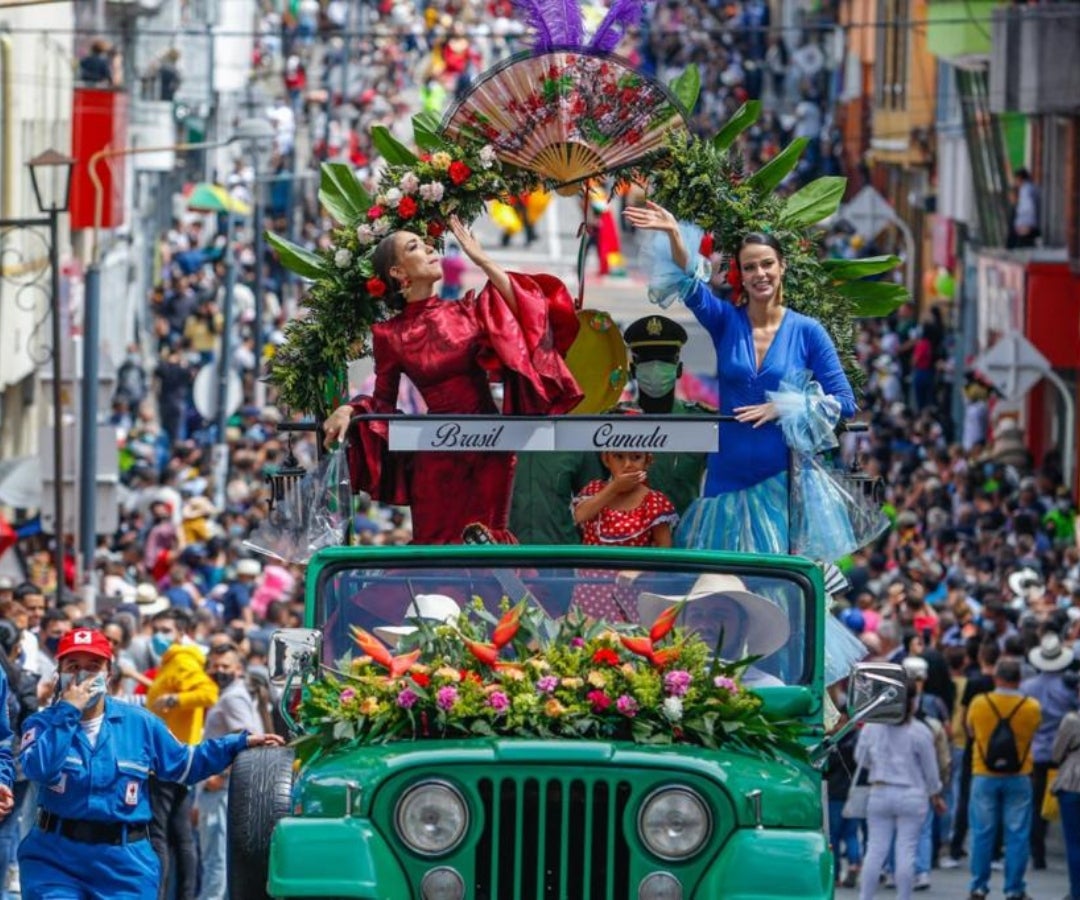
{"x": 207, "y": 197}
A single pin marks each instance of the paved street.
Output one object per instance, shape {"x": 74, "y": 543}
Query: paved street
{"x": 950, "y": 884}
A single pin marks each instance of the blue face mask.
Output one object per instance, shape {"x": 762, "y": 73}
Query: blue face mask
{"x": 160, "y": 643}
{"x": 98, "y": 682}
{"x": 656, "y": 378}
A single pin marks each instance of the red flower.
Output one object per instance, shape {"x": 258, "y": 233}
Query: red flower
{"x": 421, "y": 678}
{"x": 734, "y": 278}
{"x": 664, "y": 658}
{"x": 459, "y": 172}
{"x": 707, "y": 244}
{"x": 375, "y": 212}
{"x": 598, "y": 700}
{"x": 435, "y": 228}
{"x": 376, "y": 286}
{"x": 627, "y": 95}
{"x": 406, "y": 207}
{"x": 639, "y": 646}
{"x": 425, "y": 157}
{"x": 487, "y": 654}
{"x": 664, "y": 623}
{"x": 632, "y": 137}
{"x": 605, "y": 656}
{"x": 508, "y": 626}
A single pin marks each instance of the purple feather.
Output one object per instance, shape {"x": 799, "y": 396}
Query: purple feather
{"x": 621, "y": 15}
{"x": 557, "y": 23}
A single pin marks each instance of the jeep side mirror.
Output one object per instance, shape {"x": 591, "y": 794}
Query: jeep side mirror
{"x": 877, "y": 692}
{"x": 294, "y": 652}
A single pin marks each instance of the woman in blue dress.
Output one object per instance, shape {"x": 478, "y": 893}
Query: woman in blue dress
{"x": 781, "y": 379}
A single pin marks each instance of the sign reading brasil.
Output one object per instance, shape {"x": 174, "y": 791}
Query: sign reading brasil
{"x": 649, "y": 434}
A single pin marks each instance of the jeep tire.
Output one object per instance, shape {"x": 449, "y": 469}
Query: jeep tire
{"x": 260, "y": 788}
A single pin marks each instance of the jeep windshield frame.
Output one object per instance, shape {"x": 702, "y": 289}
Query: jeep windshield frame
{"x": 796, "y": 583}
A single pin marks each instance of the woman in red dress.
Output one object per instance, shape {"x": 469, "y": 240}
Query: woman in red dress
{"x": 518, "y": 326}
{"x": 622, "y": 511}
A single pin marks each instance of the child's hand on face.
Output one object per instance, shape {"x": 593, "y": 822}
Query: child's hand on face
{"x": 625, "y": 482}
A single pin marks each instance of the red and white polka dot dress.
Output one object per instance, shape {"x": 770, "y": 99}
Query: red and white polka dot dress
{"x": 621, "y": 528}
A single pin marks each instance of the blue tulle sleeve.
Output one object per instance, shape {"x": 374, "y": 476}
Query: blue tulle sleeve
{"x": 667, "y": 281}
{"x": 808, "y": 416}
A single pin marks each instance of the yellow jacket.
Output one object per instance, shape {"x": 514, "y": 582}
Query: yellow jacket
{"x": 183, "y": 672}
{"x": 981, "y": 721}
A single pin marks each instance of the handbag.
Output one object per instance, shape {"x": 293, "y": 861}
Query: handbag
{"x": 1050, "y": 809}
{"x": 858, "y": 798}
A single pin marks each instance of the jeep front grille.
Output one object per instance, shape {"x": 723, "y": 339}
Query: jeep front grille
{"x": 552, "y": 839}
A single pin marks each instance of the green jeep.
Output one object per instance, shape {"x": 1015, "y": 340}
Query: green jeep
{"x": 708, "y": 790}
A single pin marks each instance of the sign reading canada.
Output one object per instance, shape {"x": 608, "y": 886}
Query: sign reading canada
{"x": 497, "y": 434}
{"x": 629, "y": 435}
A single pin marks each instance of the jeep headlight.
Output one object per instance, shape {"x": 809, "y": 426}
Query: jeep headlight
{"x": 432, "y": 818}
{"x": 674, "y": 823}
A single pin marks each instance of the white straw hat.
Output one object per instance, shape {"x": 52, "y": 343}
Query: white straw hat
{"x": 767, "y": 627}
{"x": 436, "y": 608}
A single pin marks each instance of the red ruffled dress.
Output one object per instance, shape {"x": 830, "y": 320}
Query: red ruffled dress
{"x": 623, "y": 528}
{"x": 448, "y": 350}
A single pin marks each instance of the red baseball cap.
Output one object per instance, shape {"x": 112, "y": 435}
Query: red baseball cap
{"x": 84, "y": 640}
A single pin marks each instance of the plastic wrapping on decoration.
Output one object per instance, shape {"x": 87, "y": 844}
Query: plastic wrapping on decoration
{"x": 842, "y": 650}
{"x": 667, "y": 281}
{"x": 808, "y": 416}
{"x": 309, "y": 519}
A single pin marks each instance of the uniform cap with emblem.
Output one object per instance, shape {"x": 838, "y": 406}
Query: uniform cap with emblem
{"x": 84, "y": 640}
{"x": 655, "y": 337}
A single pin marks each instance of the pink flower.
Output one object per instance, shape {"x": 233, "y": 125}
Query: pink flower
{"x": 677, "y": 682}
{"x": 498, "y": 701}
{"x": 409, "y": 183}
{"x": 725, "y": 683}
{"x": 346, "y": 695}
{"x": 547, "y": 684}
{"x": 577, "y": 643}
{"x": 407, "y": 698}
{"x": 598, "y": 700}
{"x": 446, "y": 697}
{"x": 627, "y": 705}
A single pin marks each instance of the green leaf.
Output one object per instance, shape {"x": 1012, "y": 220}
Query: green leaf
{"x": 766, "y": 179}
{"x": 745, "y": 116}
{"x": 851, "y": 269}
{"x": 341, "y": 194}
{"x": 816, "y": 201}
{"x": 425, "y": 133}
{"x": 687, "y": 87}
{"x": 296, "y": 259}
{"x": 391, "y": 149}
{"x": 873, "y": 298}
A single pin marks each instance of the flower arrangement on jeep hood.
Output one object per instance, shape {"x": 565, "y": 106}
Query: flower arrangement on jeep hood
{"x": 524, "y": 675}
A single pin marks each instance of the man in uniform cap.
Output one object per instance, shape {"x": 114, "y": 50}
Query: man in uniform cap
{"x": 656, "y": 344}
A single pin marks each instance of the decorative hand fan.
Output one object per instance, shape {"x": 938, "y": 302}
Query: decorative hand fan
{"x": 567, "y": 115}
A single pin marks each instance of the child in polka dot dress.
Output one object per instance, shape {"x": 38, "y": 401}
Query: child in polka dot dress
{"x": 622, "y": 511}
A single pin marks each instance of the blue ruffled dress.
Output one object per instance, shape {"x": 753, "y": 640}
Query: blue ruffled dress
{"x": 747, "y": 504}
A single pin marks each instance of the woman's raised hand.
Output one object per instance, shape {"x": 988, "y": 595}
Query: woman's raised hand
{"x": 651, "y": 217}
{"x": 470, "y": 246}
{"x": 337, "y": 426}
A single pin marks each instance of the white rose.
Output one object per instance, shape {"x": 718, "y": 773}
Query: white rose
{"x": 380, "y": 226}
{"x": 410, "y": 184}
{"x": 343, "y": 258}
{"x": 364, "y": 234}
{"x": 393, "y": 197}
{"x": 673, "y": 708}
{"x": 487, "y": 156}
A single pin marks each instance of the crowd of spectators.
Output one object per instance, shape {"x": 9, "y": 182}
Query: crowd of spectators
{"x": 981, "y": 562}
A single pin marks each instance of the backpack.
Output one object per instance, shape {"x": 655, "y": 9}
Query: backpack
{"x": 1001, "y": 755}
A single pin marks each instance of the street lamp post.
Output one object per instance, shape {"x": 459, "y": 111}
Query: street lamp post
{"x": 50, "y": 177}
{"x": 249, "y": 130}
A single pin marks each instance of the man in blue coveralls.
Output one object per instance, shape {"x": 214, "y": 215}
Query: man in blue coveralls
{"x": 92, "y": 757}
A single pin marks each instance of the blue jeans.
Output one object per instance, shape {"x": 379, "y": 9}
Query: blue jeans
{"x": 1008, "y": 798}
{"x": 846, "y": 832}
{"x": 213, "y": 812}
{"x": 1069, "y": 801}
{"x": 924, "y": 854}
